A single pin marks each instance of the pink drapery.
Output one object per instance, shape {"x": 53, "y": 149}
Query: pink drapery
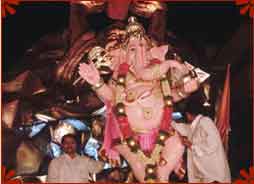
{"x": 112, "y": 131}
{"x": 166, "y": 119}
{"x": 147, "y": 140}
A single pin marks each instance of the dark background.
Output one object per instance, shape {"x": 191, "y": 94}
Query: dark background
{"x": 208, "y": 26}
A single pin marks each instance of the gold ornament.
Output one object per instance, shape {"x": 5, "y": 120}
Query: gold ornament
{"x": 121, "y": 80}
{"x": 162, "y": 162}
{"x": 164, "y": 77}
{"x": 168, "y": 100}
{"x": 98, "y": 85}
{"x": 132, "y": 143}
{"x": 119, "y": 98}
{"x": 147, "y": 112}
{"x": 134, "y": 28}
{"x": 150, "y": 170}
{"x": 162, "y": 137}
{"x": 131, "y": 96}
{"x": 153, "y": 159}
{"x": 156, "y": 71}
{"x": 120, "y": 108}
{"x": 165, "y": 86}
{"x": 100, "y": 57}
{"x": 150, "y": 181}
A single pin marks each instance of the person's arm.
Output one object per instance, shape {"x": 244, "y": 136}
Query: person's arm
{"x": 182, "y": 128}
{"x": 53, "y": 176}
{"x": 206, "y": 139}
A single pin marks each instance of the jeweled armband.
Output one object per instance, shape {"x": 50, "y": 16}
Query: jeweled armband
{"x": 98, "y": 85}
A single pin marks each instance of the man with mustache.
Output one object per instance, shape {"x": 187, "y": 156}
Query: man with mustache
{"x": 71, "y": 167}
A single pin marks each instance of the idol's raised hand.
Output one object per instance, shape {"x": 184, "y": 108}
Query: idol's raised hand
{"x": 89, "y": 73}
{"x": 92, "y": 6}
{"x": 191, "y": 86}
{"x": 146, "y": 8}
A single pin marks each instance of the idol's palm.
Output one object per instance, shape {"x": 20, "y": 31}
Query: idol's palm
{"x": 89, "y": 73}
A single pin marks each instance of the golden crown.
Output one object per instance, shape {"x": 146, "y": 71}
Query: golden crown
{"x": 134, "y": 28}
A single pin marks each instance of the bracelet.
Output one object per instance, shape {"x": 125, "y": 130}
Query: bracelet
{"x": 182, "y": 93}
{"x": 98, "y": 85}
{"x": 186, "y": 79}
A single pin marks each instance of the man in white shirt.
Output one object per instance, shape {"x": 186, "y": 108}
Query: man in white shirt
{"x": 71, "y": 167}
{"x": 206, "y": 159}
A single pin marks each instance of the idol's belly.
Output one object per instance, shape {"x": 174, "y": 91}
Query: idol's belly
{"x": 145, "y": 115}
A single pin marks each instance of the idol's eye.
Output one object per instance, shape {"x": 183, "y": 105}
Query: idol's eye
{"x": 94, "y": 60}
{"x": 103, "y": 53}
{"x": 132, "y": 49}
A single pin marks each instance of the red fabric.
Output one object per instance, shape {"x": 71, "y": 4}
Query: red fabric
{"x": 123, "y": 69}
{"x": 223, "y": 114}
{"x": 125, "y": 126}
{"x": 147, "y": 140}
{"x": 155, "y": 61}
{"x": 112, "y": 131}
{"x": 118, "y": 9}
{"x": 166, "y": 119}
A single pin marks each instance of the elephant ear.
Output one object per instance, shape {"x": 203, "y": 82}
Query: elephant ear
{"x": 159, "y": 52}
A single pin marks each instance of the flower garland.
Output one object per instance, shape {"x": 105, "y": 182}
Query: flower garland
{"x": 165, "y": 131}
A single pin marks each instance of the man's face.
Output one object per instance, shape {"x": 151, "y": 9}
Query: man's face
{"x": 96, "y": 128}
{"x": 27, "y": 117}
{"x": 189, "y": 117}
{"x": 69, "y": 145}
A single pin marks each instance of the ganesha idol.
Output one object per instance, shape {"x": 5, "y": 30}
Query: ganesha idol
{"x": 139, "y": 100}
